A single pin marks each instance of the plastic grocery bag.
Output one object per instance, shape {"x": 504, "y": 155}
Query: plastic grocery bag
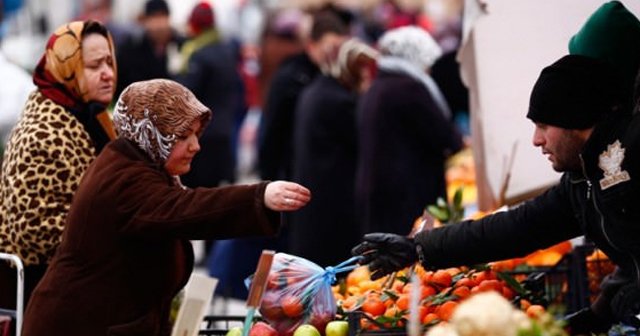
{"x": 299, "y": 292}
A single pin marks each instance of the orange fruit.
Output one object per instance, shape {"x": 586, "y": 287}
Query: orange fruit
{"x": 291, "y": 306}
{"x": 349, "y": 302}
{"x": 524, "y": 304}
{"x": 490, "y": 285}
{"x": 391, "y": 311}
{"x": 366, "y": 285}
{"x": 543, "y": 258}
{"x": 427, "y": 291}
{"x": 441, "y": 278}
{"x": 422, "y": 312}
{"x": 445, "y": 310}
{"x": 430, "y": 317}
{"x": 479, "y": 277}
{"x": 403, "y": 302}
{"x": 535, "y": 311}
{"x": 467, "y": 282}
{"x": 462, "y": 292}
{"x": 374, "y": 306}
{"x": 355, "y": 277}
{"x": 426, "y": 277}
{"x": 508, "y": 293}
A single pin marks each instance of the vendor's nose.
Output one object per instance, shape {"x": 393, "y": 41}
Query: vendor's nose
{"x": 538, "y": 138}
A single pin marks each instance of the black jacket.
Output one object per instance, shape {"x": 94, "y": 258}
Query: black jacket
{"x": 213, "y": 78}
{"x": 403, "y": 142}
{"x": 276, "y": 130}
{"x": 325, "y": 151}
{"x": 584, "y": 202}
{"x": 137, "y": 60}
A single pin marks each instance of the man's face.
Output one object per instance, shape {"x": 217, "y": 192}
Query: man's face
{"x": 562, "y": 146}
{"x": 322, "y": 50}
{"x": 158, "y": 28}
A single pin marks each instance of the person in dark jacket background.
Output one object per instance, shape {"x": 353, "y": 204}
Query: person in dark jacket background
{"x": 582, "y": 126}
{"x": 405, "y": 135}
{"x": 210, "y": 72}
{"x": 294, "y": 74}
{"x": 275, "y": 159}
{"x": 144, "y": 54}
{"x": 325, "y": 152}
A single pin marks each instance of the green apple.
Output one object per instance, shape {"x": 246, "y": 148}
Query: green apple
{"x": 337, "y": 328}
{"x": 306, "y": 330}
{"x": 235, "y": 331}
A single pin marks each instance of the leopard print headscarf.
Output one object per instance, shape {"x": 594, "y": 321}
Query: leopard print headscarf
{"x": 59, "y": 76}
{"x": 62, "y": 64}
{"x": 156, "y": 113}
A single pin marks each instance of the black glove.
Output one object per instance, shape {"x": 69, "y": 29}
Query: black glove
{"x": 585, "y": 322}
{"x": 386, "y": 253}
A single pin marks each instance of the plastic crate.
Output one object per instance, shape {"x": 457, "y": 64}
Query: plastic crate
{"x": 220, "y": 325}
{"x": 573, "y": 282}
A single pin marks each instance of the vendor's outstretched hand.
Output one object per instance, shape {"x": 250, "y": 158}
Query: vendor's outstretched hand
{"x": 386, "y": 253}
{"x": 285, "y": 196}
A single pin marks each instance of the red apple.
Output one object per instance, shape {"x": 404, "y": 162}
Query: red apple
{"x": 262, "y": 329}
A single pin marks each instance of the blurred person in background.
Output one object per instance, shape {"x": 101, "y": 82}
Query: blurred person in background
{"x": 63, "y": 127}
{"x": 146, "y": 52}
{"x": 102, "y": 11}
{"x": 210, "y": 71}
{"x": 296, "y": 72}
{"x": 14, "y": 92}
{"x": 325, "y": 150}
{"x": 232, "y": 261}
{"x": 405, "y": 134}
{"x": 126, "y": 252}
{"x": 446, "y": 73}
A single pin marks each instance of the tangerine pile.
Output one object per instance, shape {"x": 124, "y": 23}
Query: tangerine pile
{"x": 440, "y": 293}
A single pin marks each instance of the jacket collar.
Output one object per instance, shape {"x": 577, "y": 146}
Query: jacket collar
{"x": 131, "y": 150}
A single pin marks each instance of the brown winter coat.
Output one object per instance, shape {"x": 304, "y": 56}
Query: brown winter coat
{"x": 125, "y": 251}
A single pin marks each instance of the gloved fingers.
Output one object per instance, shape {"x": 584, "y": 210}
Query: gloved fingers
{"x": 377, "y": 274}
{"x": 378, "y": 268}
{"x": 398, "y": 262}
{"x": 363, "y": 248}
{"x": 379, "y": 237}
{"x": 368, "y": 257}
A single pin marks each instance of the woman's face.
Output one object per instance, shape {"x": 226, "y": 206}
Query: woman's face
{"x": 98, "y": 68}
{"x": 182, "y": 153}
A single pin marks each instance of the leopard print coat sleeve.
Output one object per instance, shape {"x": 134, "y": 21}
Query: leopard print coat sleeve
{"x": 46, "y": 155}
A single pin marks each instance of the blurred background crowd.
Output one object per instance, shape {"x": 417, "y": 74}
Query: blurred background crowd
{"x": 299, "y": 90}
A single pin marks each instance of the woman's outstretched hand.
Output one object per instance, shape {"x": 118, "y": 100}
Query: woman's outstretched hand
{"x": 286, "y": 196}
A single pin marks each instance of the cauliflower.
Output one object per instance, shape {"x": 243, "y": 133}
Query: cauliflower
{"x": 483, "y": 314}
{"x": 442, "y": 330}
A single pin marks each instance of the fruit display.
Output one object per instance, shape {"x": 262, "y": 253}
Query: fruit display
{"x": 461, "y": 174}
{"x": 386, "y": 301}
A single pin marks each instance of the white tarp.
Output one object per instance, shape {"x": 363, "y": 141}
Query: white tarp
{"x": 506, "y": 46}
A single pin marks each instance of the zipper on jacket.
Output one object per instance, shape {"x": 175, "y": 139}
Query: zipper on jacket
{"x": 602, "y": 228}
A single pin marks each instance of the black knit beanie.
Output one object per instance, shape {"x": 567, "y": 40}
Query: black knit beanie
{"x": 573, "y": 93}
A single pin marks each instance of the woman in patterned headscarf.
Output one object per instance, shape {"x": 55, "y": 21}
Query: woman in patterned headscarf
{"x": 63, "y": 127}
{"x": 126, "y": 251}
